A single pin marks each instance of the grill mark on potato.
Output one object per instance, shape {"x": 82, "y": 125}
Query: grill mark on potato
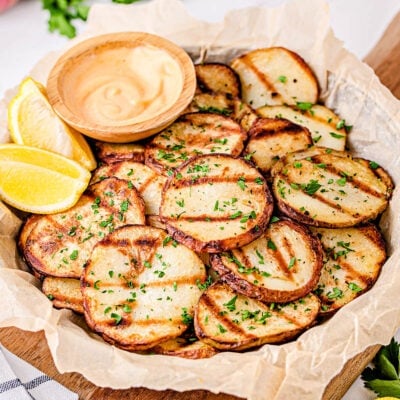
{"x": 260, "y": 132}
{"x": 352, "y": 181}
{"x": 204, "y": 218}
{"x": 215, "y": 310}
{"x": 288, "y": 247}
{"x": 280, "y": 262}
{"x": 209, "y": 180}
{"x": 321, "y": 198}
{"x": 261, "y": 78}
{"x": 241, "y": 256}
{"x": 160, "y": 282}
{"x": 351, "y": 273}
{"x": 290, "y": 319}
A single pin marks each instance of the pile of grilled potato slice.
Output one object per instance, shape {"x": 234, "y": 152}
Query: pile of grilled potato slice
{"x": 244, "y": 222}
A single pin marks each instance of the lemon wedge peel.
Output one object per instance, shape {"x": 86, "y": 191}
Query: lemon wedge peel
{"x": 39, "y": 181}
{"x": 33, "y": 122}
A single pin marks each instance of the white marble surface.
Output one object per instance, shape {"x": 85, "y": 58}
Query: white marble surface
{"x": 24, "y": 39}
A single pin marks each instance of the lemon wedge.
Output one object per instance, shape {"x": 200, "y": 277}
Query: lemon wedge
{"x": 33, "y": 122}
{"x": 39, "y": 181}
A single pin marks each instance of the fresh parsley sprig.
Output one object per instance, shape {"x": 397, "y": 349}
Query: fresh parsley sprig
{"x": 63, "y": 13}
{"x": 384, "y": 378}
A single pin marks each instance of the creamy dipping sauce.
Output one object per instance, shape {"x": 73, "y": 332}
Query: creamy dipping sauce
{"x": 122, "y": 86}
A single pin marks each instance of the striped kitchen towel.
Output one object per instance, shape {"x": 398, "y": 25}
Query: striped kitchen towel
{"x": 20, "y": 380}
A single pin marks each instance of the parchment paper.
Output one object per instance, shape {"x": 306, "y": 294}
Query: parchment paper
{"x": 297, "y": 370}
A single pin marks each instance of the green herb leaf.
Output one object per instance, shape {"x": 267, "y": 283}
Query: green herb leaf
{"x": 389, "y": 388}
{"x": 187, "y": 319}
{"x": 336, "y": 135}
{"x": 312, "y": 187}
{"x": 304, "y": 106}
{"x": 116, "y": 317}
{"x": 231, "y": 304}
{"x": 271, "y": 245}
{"x": 373, "y": 165}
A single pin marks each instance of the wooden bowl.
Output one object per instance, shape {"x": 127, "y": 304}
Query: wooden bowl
{"x": 121, "y": 87}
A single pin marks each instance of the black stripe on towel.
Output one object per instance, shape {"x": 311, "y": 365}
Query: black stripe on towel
{"x": 36, "y": 382}
{"x": 9, "y": 385}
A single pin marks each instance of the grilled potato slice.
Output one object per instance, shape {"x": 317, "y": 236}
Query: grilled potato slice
{"x": 110, "y": 153}
{"x": 270, "y": 139}
{"x": 146, "y": 181}
{"x": 139, "y": 287}
{"x": 64, "y": 293}
{"x": 215, "y": 203}
{"x": 185, "y": 348}
{"x": 26, "y": 229}
{"x": 217, "y": 78}
{"x": 327, "y": 129}
{"x": 282, "y": 265}
{"x": 194, "y": 134}
{"x": 328, "y": 188}
{"x": 60, "y": 244}
{"x": 275, "y": 76}
{"x": 154, "y": 221}
{"x": 231, "y": 321}
{"x": 225, "y": 105}
{"x": 353, "y": 260}
{"x": 215, "y": 103}
{"x": 23, "y": 235}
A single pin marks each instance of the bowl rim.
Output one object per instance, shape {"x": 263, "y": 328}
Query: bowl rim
{"x": 133, "y": 131}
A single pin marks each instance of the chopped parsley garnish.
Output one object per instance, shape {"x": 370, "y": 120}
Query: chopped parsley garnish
{"x": 231, "y": 304}
{"x": 304, "y": 106}
{"x": 373, "y": 165}
{"x": 271, "y": 245}
{"x": 312, "y": 187}
{"x": 242, "y": 183}
{"x": 221, "y": 329}
{"x": 187, "y": 319}
{"x": 336, "y": 135}
{"x": 336, "y": 293}
{"x": 291, "y": 262}
{"x": 181, "y": 203}
{"x": 116, "y": 317}
{"x": 73, "y": 255}
{"x": 211, "y": 109}
{"x": 282, "y": 78}
{"x": 342, "y": 181}
{"x": 354, "y": 287}
{"x": 342, "y": 124}
{"x": 205, "y": 284}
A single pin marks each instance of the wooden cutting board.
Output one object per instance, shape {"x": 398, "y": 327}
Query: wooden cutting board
{"x": 32, "y": 346}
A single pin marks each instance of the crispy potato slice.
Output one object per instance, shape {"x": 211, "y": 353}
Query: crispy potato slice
{"x": 225, "y": 105}
{"x": 327, "y": 129}
{"x": 193, "y": 134}
{"x": 328, "y": 188}
{"x": 282, "y": 265}
{"x": 353, "y": 260}
{"x": 185, "y": 348}
{"x": 215, "y": 203}
{"x": 275, "y": 76}
{"x": 270, "y": 139}
{"x": 139, "y": 287}
{"x": 217, "y": 78}
{"x": 146, "y": 181}
{"x": 60, "y": 244}
{"x": 110, "y": 153}
{"x": 64, "y": 293}
{"x": 231, "y": 321}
